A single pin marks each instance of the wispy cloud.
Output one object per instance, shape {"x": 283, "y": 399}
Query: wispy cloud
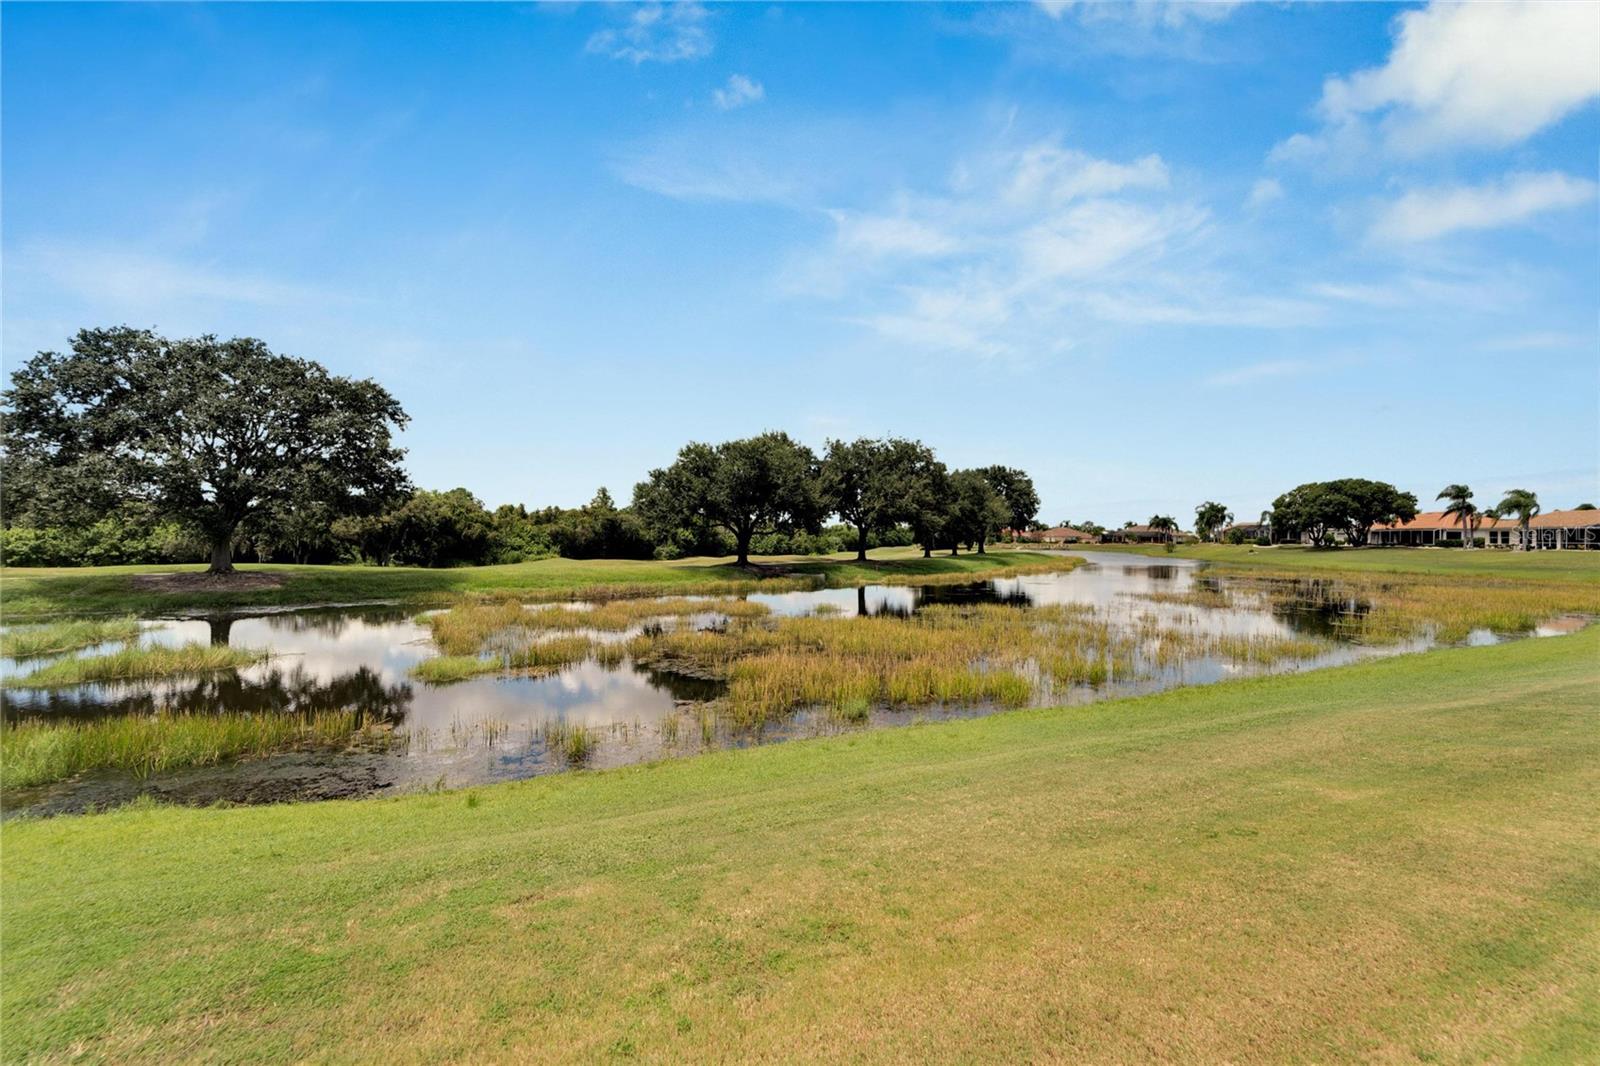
{"x": 739, "y": 91}
{"x": 1264, "y": 192}
{"x": 130, "y": 279}
{"x": 1538, "y": 340}
{"x": 1266, "y": 370}
{"x": 660, "y": 33}
{"x": 1426, "y": 214}
{"x": 1025, "y": 249}
{"x": 1168, "y": 13}
{"x": 1482, "y": 75}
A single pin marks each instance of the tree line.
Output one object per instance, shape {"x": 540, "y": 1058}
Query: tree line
{"x": 131, "y": 447}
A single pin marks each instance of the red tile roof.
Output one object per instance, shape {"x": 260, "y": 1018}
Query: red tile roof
{"x": 1438, "y": 520}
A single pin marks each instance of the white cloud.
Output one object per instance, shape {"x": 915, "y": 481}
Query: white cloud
{"x": 1263, "y": 371}
{"x": 1482, "y": 75}
{"x": 1026, "y": 250}
{"x": 1536, "y": 341}
{"x": 1168, "y": 13}
{"x": 1264, "y": 192}
{"x": 1425, "y": 214}
{"x": 663, "y": 33}
{"x": 123, "y": 280}
{"x": 884, "y": 235}
{"x": 739, "y": 91}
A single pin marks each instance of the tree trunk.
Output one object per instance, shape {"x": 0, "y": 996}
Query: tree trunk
{"x": 927, "y": 551}
{"x": 861, "y": 544}
{"x": 221, "y": 555}
{"x": 743, "y": 542}
{"x": 1522, "y": 544}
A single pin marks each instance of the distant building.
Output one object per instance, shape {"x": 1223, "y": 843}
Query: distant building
{"x": 1247, "y": 530}
{"x": 1058, "y": 535}
{"x": 1553, "y": 531}
{"x": 1145, "y": 535}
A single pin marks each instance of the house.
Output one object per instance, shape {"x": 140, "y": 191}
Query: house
{"x": 1145, "y": 535}
{"x": 1246, "y": 531}
{"x": 1551, "y": 531}
{"x": 1066, "y": 535}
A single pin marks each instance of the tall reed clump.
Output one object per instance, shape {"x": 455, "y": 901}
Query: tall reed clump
{"x": 539, "y": 657}
{"x": 575, "y": 743}
{"x": 57, "y": 638}
{"x": 1266, "y": 650}
{"x": 40, "y": 751}
{"x": 139, "y": 664}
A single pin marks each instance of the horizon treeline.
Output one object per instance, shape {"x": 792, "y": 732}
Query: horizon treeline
{"x": 765, "y": 495}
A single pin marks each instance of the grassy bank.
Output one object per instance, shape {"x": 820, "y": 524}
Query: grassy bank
{"x": 34, "y": 593}
{"x": 1397, "y": 860}
{"x": 37, "y": 752}
{"x": 1479, "y": 562}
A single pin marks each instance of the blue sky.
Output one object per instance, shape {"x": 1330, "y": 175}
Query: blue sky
{"x": 1153, "y": 253}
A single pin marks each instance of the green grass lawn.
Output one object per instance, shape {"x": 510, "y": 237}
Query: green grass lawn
{"x": 1395, "y": 861}
{"x": 40, "y": 592}
{"x": 1536, "y": 565}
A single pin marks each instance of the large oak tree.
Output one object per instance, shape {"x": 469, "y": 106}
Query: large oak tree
{"x": 208, "y": 432}
{"x": 874, "y": 485}
{"x": 761, "y": 484}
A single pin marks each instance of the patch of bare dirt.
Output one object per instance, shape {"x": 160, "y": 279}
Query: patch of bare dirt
{"x": 200, "y": 581}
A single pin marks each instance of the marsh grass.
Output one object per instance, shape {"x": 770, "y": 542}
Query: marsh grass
{"x": 449, "y": 669}
{"x": 471, "y": 627}
{"x": 58, "y": 638}
{"x": 573, "y": 743}
{"x": 538, "y": 657}
{"x": 139, "y": 664}
{"x": 1389, "y": 608}
{"x": 39, "y": 751}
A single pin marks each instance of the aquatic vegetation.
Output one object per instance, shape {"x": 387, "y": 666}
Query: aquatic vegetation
{"x": 32, "y": 642}
{"x": 573, "y": 742}
{"x": 40, "y": 751}
{"x": 448, "y": 669}
{"x": 1388, "y": 608}
{"x": 469, "y": 628}
{"x": 538, "y": 657}
{"x": 1267, "y": 651}
{"x": 139, "y": 664}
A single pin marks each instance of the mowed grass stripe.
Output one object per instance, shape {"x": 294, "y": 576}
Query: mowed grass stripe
{"x": 1393, "y": 860}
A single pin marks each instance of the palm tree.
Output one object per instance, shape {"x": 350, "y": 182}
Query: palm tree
{"x": 1166, "y": 524}
{"x": 1524, "y": 505}
{"x": 1462, "y": 507}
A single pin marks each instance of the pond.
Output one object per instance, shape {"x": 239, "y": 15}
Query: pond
{"x": 499, "y": 726}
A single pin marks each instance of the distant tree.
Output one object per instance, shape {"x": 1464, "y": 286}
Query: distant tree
{"x": 761, "y": 484}
{"x": 1166, "y": 524}
{"x": 1316, "y": 510}
{"x": 1017, "y": 492}
{"x": 1368, "y": 503}
{"x": 930, "y": 504}
{"x": 1524, "y": 505}
{"x": 979, "y": 511}
{"x": 1584, "y": 507}
{"x": 1210, "y": 517}
{"x": 1464, "y": 510}
{"x": 871, "y": 484}
{"x": 206, "y": 432}
{"x": 442, "y": 529}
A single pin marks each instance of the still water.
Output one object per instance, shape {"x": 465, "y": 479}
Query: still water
{"x": 495, "y": 728}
